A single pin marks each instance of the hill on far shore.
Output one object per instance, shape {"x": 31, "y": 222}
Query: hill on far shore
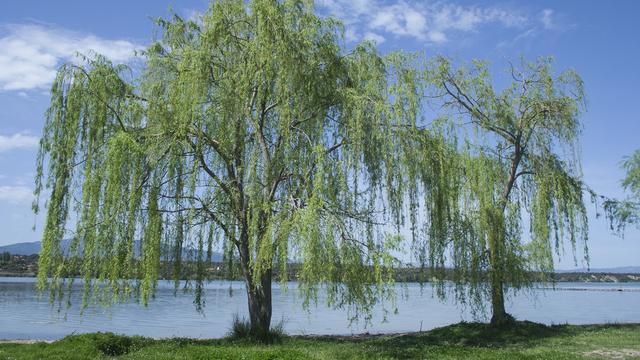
{"x": 33, "y": 248}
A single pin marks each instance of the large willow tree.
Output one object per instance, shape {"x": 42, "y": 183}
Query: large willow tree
{"x": 508, "y": 165}
{"x": 250, "y": 127}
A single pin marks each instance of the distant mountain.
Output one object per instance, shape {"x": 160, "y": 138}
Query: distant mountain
{"x": 33, "y": 248}
{"x": 613, "y": 270}
{"x": 26, "y": 248}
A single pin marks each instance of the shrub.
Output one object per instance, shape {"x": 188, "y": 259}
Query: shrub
{"x": 115, "y": 345}
{"x": 241, "y": 330}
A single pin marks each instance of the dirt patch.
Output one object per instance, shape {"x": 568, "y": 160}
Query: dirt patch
{"x": 614, "y": 354}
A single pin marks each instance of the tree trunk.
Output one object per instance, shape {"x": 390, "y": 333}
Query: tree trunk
{"x": 258, "y": 292}
{"x": 499, "y": 315}
{"x": 259, "y": 297}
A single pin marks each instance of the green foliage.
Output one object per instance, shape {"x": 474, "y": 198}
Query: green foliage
{"x": 249, "y": 127}
{"x": 631, "y": 181}
{"x": 524, "y": 340}
{"x": 112, "y": 344}
{"x": 621, "y": 213}
{"x": 507, "y": 156}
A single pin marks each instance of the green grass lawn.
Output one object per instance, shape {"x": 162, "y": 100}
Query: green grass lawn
{"x": 525, "y": 340}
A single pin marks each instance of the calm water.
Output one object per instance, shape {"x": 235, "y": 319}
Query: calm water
{"x": 23, "y": 315}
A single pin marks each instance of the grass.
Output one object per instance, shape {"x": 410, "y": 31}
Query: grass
{"x": 241, "y": 329}
{"x": 523, "y": 340}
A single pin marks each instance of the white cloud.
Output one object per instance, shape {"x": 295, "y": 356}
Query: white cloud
{"x": 16, "y": 194}
{"x": 400, "y": 19}
{"x": 31, "y": 53}
{"x": 18, "y": 141}
{"x": 376, "y": 38}
{"x": 425, "y": 21}
{"x": 547, "y": 19}
{"x": 470, "y": 18}
{"x": 437, "y": 37}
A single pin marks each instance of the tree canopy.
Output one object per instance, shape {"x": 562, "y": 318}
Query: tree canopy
{"x": 250, "y": 127}
{"x": 510, "y": 156}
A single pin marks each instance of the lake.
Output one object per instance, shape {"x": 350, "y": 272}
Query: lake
{"x": 26, "y": 315}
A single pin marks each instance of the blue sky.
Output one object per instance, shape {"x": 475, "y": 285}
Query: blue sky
{"x": 597, "y": 38}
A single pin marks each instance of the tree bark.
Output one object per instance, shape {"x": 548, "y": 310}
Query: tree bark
{"x": 499, "y": 316}
{"x": 259, "y": 297}
{"x": 258, "y": 292}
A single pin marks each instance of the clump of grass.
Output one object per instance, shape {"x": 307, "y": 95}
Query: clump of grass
{"x": 241, "y": 330}
{"x": 111, "y": 344}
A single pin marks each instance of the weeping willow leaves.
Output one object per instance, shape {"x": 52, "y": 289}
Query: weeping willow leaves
{"x": 104, "y": 161}
{"x": 625, "y": 212}
{"x": 631, "y": 181}
{"x": 515, "y": 159}
{"x": 249, "y": 126}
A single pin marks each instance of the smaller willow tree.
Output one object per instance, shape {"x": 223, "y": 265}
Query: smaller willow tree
{"x": 251, "y": 127}
{"x": 631, "y": 181}
{"x": 621, "y": 213}
{"x": 513, "y": 158}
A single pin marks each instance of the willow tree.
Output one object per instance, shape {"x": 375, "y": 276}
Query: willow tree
{"x": 510, "y": 157}
{"x": 249, "y": 126}
{"x": 621, "y": 213}
{"x": 631, "y": 180}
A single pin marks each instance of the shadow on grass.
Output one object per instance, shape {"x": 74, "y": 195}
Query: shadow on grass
{"x": 520, "y": 333}
{"x": 484, "y": 335}
{"x": 464, "y": 334}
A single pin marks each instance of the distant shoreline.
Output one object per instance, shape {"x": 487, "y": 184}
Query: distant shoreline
{"x": 607, "y": 278}
{"x": 20, "y": 275}
{"x": 27, "y": 266}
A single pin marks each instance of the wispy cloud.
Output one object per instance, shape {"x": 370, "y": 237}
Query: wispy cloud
{"x": 424, "y": 21}
{"x": 18, "y": 141}
{"x": 16, "y": 194}
{"x": 376, "y": 38}
{"x": 31, "y": 53}
{"x": 547, "y": 19}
